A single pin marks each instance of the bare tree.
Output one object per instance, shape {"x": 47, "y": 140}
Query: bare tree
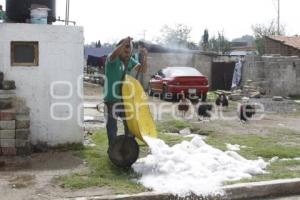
{"x": 177, "y": 36}
{"x": 262, "y": 30}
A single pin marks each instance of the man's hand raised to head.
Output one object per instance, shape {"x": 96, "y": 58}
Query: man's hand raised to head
{"x": 120, "y": 48}
{"x": 126, "y": 41}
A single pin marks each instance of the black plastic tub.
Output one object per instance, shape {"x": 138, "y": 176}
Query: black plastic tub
{"x": 18, "y": 11}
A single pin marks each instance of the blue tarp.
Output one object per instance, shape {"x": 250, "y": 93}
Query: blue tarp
{"x": 97, "y": 52}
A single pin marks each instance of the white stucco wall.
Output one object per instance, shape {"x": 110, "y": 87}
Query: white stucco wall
{"x": 60, "y": 59}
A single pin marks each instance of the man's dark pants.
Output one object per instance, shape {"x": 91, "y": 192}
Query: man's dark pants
{"x": 113, "y": 110}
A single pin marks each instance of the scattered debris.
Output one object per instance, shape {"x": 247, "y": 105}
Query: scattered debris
{"x": 90, "y": 105}
{"x": 274, "y": 159}
{"x": 93, "y": 119}
{"x": 88, "y": 143}
{"x": 278, "y": 107}
{"x": 186, "y": 131}
{"x": 250, "y": 89}
{"x": 235, "y": 96}
{"x": 256, "y": 95}
{"x": 22, "y": 181}
{"x": 233, "y": 147}
{"x": 277, "y": 98}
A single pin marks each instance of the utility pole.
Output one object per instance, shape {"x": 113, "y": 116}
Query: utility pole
{"x": 144, "y": 35}
{"x": 278, "y": 20}
{"x": 67, "y": 12}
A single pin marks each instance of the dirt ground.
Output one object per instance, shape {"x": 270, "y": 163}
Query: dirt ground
{"x": 33, "y": 178}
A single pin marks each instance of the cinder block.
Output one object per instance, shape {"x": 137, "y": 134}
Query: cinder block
{"x": 7, "y": 143}
{"x": 20, "y": 105}
{"x": 22, "y": 122}
{"x": 22, "y": 134}
{"x": 5, "y": 104}
{"x": 8, "y": 125}
{"x": 1, "y": 76}
{"x": 7, "y": 95}
{"x": 7, "y": 115}
{"x": 8, "y": 85}
{"x": 7, "y": 134}
{"x": 9, "y": 151}
{"x": 21, "y": 143}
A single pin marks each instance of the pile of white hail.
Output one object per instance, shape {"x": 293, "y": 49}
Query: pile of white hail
{"x": 192, "y": 167}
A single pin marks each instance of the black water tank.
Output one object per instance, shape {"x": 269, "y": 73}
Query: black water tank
{"x": 19, "y": 10}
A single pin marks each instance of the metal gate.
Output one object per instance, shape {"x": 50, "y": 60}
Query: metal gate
{"x": 221, "y": 75}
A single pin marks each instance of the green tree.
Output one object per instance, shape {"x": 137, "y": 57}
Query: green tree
{"x": 219, "y": 44}
{"x": 192, "y": 46}
{"x": 262, "y": 30}
{"x": 205, "y": 40}
{"x": 177, "y": 36}
{"x": 98, "y": 44}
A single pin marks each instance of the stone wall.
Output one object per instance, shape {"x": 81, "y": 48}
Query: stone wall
{"x": 279, "y": 75}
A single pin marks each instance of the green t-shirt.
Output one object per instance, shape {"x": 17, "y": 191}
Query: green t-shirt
{"x": 114, "y": 71}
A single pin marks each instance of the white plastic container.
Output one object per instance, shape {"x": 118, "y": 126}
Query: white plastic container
{"x": 38, "y": 20}
{"x": 39, "y": 15}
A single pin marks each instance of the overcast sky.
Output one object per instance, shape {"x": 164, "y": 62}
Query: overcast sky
{"x": 110, "y": 20}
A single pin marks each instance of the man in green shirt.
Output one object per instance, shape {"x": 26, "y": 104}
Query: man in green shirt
{"x": 2, "y": 14}
{"x": 118, "y": 63}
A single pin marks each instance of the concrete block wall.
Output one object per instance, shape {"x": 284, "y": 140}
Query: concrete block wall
{"x": 253, "y": 69}
{"x": 297, "y": 89}
{"x": 203, "y": 63}
{"x": 279, "y": 75}
{"x": 61, "y": 59}
{"x": 14, "y": 122}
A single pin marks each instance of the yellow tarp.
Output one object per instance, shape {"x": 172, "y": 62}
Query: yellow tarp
{"x": 138, "y": 116}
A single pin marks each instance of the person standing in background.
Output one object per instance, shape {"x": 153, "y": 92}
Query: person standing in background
{"x": 237, "y": 74}
{"x": 2, "y": 14}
